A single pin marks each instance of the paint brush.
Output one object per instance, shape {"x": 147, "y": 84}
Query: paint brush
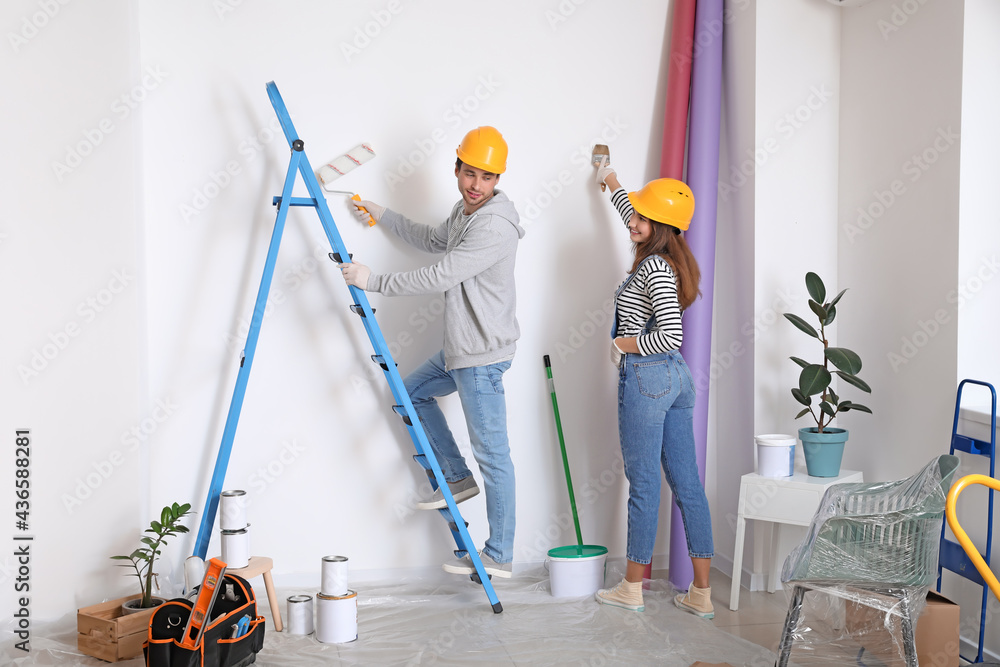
{"x": 601, "y": 152}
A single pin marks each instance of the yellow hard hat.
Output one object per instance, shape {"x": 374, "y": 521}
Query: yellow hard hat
{"x": 484, "y": 148}
{"x": 665, "y": 200}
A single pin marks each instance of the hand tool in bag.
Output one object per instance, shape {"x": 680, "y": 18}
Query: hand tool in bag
{"x": 202, "y": 610}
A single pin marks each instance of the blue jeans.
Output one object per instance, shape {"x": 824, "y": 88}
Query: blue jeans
{"x": 655, "y": 409}
{"x": 480, "y": 388}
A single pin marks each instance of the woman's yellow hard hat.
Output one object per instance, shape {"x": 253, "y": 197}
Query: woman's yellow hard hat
{"x": 665, "y": 200}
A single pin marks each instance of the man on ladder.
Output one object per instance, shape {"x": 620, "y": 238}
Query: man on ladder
{"x": 476, "y": 274}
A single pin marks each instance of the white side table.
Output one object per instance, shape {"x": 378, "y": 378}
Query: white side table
{"x": 780, "y": 500}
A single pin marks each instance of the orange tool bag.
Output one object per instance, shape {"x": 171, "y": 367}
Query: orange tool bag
{"x": 232, "y": 638}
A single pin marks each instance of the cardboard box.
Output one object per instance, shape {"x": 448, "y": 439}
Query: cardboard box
{"x": 102, "y": 631}
{"x": 937, "y": 632}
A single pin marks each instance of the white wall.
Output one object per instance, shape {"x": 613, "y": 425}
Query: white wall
{"x": 793, "y": 210}
{"x": 70, "y": 291}
{"x": 325, "y": 462}
{"x": 977, "y": 293}
{"x": 327, "y": 465}
{"x": 797, "y": 115}
{"x": 918, "y": 234}
{"x": 899, "y": 163}
{"x": 731, "y": 419}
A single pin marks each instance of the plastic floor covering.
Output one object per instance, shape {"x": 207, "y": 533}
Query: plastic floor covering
{"x": 443, "y": 619}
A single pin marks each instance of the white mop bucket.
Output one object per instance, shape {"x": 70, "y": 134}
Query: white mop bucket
{"x": 775, "y": 455}
{"x": 577, "y": 570}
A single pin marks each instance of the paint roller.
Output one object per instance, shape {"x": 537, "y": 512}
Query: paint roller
{"x": 339, "y": 166}
{"x": 601, "y": 152}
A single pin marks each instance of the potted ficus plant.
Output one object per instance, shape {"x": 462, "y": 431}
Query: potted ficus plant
{"x": 143, "y": 559}
{"x": 823, "y": 444}
{"x": 116, "y": 629}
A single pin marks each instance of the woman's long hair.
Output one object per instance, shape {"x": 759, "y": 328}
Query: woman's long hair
{"x": 671, "y": 246}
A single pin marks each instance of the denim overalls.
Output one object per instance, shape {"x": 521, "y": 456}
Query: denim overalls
{"x": 655, "y": 425}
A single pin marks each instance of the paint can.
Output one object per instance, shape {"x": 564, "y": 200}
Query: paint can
{"x": 334, "y": 576}
{"x": 194, "y": 572}
{"x": 337, "y": 618}
{"x": 576, "y": 570}
{"x": 236, "y": 548}
{"x": 299, "y": 615}
{"x": 775, "y": 455}
{"x": 233, "y": 510}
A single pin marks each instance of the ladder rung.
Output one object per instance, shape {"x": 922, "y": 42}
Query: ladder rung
{"x": 401, "y": 411}
{"x": 421, "y": 460}
{"x": 461, "y": 553}
{"x": 377, "y": 358}
{"x": 295, "y": 201}
{"x": 954, "y": 559}
{"x": 335, "y": 256}
{"x": 970, "y": 445}
{"x": 359, "y": 311}
{"x": 454, "y": 526}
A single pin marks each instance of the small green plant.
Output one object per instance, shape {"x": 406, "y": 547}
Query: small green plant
{"x": 143, "y": 558}
{"x": 814, "y": 380}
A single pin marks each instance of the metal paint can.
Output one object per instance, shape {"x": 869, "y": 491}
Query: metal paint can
{"x": 299, "y": 615}
{"x": 233, "y": 510}
{"x": 337, "y": 618}
{"x": 334, "y": 576}
{"x": 236, "y": 548}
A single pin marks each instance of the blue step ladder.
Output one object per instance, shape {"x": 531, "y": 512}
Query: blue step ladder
{"x": 953, "y": 557}
{"x": 299, "y": 164}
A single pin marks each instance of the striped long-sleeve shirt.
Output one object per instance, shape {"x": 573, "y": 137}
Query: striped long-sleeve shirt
{"x": 652, "y": 291}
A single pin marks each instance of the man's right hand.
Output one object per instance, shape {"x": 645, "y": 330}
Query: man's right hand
{"x": 374, "y": 211}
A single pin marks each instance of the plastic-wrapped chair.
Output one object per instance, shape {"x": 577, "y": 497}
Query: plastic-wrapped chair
{"x": 873, "y": 543}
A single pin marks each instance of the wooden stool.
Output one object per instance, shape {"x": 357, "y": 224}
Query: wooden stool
{"x": 262, "y": 565}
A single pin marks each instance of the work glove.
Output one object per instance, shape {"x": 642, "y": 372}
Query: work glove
{"x": 616, "y": 353}
{"x": 603, "y": 170}
{"x": 373, "y": 210}
{"x": 355, "y": 274}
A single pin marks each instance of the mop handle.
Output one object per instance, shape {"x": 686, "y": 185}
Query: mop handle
{"x": 562, "y": 447}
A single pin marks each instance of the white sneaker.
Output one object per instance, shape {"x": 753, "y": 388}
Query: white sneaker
{"x": 626, "y": 594}
{"x": 464, "y": 566}
{"x": 463, "y": 489}
{"x": 697, "y": 601}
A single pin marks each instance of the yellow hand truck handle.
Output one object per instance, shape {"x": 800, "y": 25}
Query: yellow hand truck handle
{"x": 963, "y": 538}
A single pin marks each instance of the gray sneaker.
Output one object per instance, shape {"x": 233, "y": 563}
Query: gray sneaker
{"x": 463, "y": 489}
{"x": 465, "y": 566}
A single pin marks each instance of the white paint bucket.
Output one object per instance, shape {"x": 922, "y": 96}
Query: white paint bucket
{"x": 233, "y": 510}
{"x": 576, "y": 571}
{"x": 775, "y": 455}
{"x": 299, "y": 615}
{"x": 236, "y": 548}
{"x": 337, "y": 618}
{"x": 334, "y": 576}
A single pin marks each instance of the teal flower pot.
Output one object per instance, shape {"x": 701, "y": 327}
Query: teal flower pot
{"x": 823, "y": 451}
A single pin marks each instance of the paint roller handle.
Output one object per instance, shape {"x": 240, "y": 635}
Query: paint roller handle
{"x": 362, "y": 211}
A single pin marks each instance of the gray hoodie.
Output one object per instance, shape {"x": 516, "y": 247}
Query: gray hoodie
{"x": 476, "y": 275}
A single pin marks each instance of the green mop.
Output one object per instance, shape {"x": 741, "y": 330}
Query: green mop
{"x": 579, "y": 550}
